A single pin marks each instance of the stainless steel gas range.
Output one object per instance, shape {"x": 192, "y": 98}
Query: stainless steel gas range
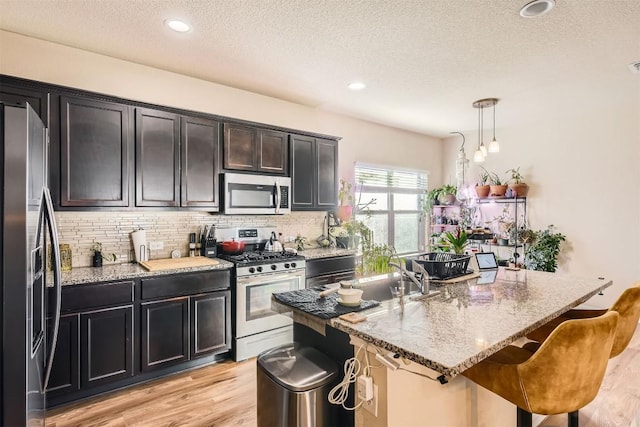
{"x": 258, "y": 275}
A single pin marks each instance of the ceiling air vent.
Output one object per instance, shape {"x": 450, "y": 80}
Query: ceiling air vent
{"x": 635, "y": 67}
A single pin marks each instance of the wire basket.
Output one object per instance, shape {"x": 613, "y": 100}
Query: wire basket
{"x": 442, "y": 265}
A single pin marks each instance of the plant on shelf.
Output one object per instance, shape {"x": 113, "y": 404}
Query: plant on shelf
{"x": 300, "y": 242}
{"x": 98, "y": 256}
{"x": 458, "y": 240}
{"x": 345, "y": 198}
{"x": 496, "y": 187}
{"x": 447, "y": 195}
{"x": 517, "y": 185}
{"x": 543, "y": 253}
{"x": 482, "y": 187}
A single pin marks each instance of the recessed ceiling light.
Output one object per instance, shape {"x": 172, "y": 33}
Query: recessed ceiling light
{"x": 357, "y": 86}
{"x": 537, "y": 8}
{"x": 177, "y": 25}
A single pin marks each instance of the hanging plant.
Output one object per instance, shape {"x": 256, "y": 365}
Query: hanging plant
{"x": 543, "y": 253}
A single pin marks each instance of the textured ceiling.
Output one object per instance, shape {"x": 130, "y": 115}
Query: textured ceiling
{"x": 424, "y": 61}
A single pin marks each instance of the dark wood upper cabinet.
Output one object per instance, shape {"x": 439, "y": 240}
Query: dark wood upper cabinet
{"x": 95, "y": 144}
{"x": 11, "y": 94}
{"x": 200, "y": 162}
{"x": 327, "y": 174}
{"x": 157, "y": 158}
{"x": 314, "y": 173}
{"x": 258, "y": 150}
{"x": 240, "y": 147}
{"x": 273, "y": 149}
{"x": 302, "y": 175}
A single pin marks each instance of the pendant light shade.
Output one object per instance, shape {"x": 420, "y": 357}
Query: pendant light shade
{"x": 478, "y": 157}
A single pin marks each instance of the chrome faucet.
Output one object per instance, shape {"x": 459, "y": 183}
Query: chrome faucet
{"x": 406, "y": 273}
{"x": 422, "y": 283}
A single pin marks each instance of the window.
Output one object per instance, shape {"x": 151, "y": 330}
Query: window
{"x": 394, "y": 200}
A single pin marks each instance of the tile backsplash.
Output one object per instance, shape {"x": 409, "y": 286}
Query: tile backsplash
{"x": 81, "y": 229}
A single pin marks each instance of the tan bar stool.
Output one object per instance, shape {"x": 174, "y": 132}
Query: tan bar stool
{"x": 562, "y": 376}
{"x": 627, "y": 306}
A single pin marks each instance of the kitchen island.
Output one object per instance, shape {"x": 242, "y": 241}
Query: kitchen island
{"x": 441, "y": 336}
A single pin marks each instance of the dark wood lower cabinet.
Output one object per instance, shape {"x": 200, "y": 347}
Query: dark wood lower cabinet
{"x": 210, "y": 329}
{"x": 165, "y": 333}
{"x": 106, "y": 345}
{"x": 116, "y": 334}
{"x": 65, "y": 372}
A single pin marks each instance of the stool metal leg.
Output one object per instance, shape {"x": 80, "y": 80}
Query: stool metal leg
{"x": 573, "y": 419}
{"x": 525, "y": 418}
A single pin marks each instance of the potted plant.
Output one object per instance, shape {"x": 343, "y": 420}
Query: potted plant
{"x": 458, "y": 240}
{"x": 300, "y": 242}
{"x": 345, "y": 198}
{"x": 447, "y": 194}
{"x": 517, "y": 185}
{"x": 98, "y": 256}
{"x": 482, "y": 187}
{"x": 496, "y": 187}
{"x": 543, "y": 253}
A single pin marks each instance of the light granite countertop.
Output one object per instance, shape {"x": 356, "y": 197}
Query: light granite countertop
{"x": 466, "y": 322}
{"x": 116, "y": 272}
{"x": 316, "y": 253}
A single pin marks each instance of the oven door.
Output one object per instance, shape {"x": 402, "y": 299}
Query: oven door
{"x": 253, "y": 301}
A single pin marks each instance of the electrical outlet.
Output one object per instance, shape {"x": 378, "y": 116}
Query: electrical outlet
{"x": 156, "y": 246}
{"x": 372, "y": 405}
{"x": 289, "y": 239}
{"x": 123, "y": 258}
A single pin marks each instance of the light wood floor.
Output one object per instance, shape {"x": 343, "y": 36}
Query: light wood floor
{"x": 225, "y": 395}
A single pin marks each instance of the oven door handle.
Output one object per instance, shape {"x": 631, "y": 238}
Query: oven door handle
{"x": 262, "y": 278}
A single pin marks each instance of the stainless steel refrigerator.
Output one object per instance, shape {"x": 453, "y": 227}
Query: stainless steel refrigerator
{"x": 28, "y": 329}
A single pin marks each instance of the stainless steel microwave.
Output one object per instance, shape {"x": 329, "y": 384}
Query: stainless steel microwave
{"x": 256, "y": 194}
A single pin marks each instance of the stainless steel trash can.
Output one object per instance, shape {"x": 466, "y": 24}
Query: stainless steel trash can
{"x": 293, "y": 385}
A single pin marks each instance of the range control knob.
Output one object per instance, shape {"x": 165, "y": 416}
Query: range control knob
{"x": 286, "y": 265}
{"x": 293, "y": 265}
{"x": 259, "y": 269}
{"x": 273, "y": 266}
{"x": 252, "y": 270}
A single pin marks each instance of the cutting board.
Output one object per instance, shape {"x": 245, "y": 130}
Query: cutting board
{"x": 173, "y": 263}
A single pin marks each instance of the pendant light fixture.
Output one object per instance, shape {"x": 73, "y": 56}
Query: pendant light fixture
{"x": 462, "y": 164}
{"x": 494, "y": 147}
{"x": 478, "y": 157}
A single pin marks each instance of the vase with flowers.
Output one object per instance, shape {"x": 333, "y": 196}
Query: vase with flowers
{"x": 345, "y": 198}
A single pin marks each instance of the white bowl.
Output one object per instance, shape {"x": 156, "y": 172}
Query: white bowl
{"x": 350, "y": 296}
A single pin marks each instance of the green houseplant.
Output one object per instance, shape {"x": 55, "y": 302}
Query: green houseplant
{"x": 482, "y": 187}
{"x": 543, "y": 253}
{"x": 458, "y": 240}
{"x": 517, "y": 184}
{"x": 496, "y": 187}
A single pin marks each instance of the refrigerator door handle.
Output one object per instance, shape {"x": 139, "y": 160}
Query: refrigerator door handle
{"x": 57, "y": 279}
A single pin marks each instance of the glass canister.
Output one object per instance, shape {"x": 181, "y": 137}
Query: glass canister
{"x": 65, "y": 257}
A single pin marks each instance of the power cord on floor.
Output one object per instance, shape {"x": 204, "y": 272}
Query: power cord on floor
{"x": 340, "y": 393}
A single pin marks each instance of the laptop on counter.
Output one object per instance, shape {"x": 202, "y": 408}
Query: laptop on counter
{"x": 487, "y": 267}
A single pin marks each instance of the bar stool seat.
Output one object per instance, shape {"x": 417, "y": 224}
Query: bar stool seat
{"x": 627, "y": 306}
{"x": 562, "y": 376}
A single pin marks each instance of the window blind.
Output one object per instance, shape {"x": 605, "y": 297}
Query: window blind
{"x": 390, "y": 177}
